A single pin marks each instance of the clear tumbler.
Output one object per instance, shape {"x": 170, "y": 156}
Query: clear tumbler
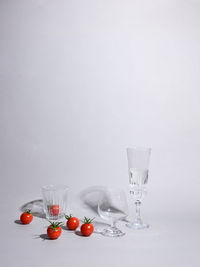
{"x": 55, "y": 201}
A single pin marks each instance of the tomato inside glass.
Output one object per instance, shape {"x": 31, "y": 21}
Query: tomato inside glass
{"x": 54, "y": 210}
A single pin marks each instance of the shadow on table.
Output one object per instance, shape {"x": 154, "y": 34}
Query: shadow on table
{"x": 66, "y": 229}
{"x": 78, "y": 232}
{"x": 36, "y": 207}
{"x": 18, "y": 222}
{"x": 91, "y": 196}
{"x": 44, "y": 237}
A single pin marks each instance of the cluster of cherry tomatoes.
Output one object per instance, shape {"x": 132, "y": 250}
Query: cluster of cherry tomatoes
{"x": 54, "y": 229}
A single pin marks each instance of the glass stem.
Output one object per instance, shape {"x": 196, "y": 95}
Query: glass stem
{"x": 137, "y": 209}
{"x": 113, "y": 224}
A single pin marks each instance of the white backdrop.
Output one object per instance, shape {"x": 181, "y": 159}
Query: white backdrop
{"x": 82, "y": 80}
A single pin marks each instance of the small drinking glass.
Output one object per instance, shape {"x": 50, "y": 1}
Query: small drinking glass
{"x": 138, "y": 167}
{"x": 55, "y": 201}
{"x": 113, "y": 207}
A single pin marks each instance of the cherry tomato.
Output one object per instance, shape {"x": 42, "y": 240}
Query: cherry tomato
{"x": 87, "y": 228}
{"x": 26, "y": 217}
{"x": 54, "y": 230}
{"x": 53, "y": 210}
{"x": 72, "y": 222}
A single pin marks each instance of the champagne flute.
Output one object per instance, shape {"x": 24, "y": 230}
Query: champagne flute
{"x": 138, "y": 167}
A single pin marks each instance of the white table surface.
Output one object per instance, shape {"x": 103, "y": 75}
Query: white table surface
{"x": 168, "y": 242}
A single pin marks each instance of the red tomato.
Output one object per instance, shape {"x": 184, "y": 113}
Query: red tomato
{"x": 72, "y": 222}
{"x": 87, "y": 228}
{"x": 53, "y": 210}
{"x": 54, "y": 230}
{"x": 26, "y": 217}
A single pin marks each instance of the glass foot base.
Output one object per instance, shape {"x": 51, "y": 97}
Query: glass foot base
{"x": 55, "y": 218}
{"x": 112, "y": 232}
{"x": 137, "y": 225}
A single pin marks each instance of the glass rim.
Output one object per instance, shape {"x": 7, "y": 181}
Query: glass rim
{"x": 52, "y": 187}
{"x": 141, "y": 148}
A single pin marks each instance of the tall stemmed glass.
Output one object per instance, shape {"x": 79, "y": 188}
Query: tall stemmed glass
{"x": 138, "y": 167}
